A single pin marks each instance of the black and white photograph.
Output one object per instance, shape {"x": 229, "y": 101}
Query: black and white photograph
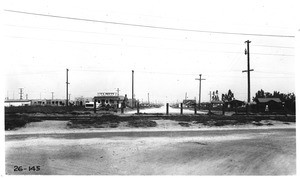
{"x": 149, "y": 87}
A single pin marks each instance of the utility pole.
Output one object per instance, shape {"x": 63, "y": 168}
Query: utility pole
{"x": 185, "y": 96}
{"x": 21, "y": 93}
{"x": 67, "y": 85}
{"x": 200, "y": 79}
{"x": 148, "y": 99}
{"x": 132, "y": 99}
{"x": 210, "y": 96}
{"x": 52, "y": 94}
{"x": 118, "y": 91}
{"x": 247, "y": 52}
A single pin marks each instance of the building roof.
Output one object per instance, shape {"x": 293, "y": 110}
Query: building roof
{"x": 217, "y": 102}
{"x": 235, "y": 101}
{"x": 189, "y": 101}
{"x": 106, "y": 97}
{"x": 16, "y": 100}
{"x": 266, "y": 100}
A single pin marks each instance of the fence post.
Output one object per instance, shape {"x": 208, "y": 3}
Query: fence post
{"x": 195, "y": 108}
{"x": 94, "y": 106}
{"x": 138, "y": 107}
{"x": 247, "y": 109}
{"x": 167, "y": 108}
{"x": 209, "y": 109}
{"x": 181, "y": 108}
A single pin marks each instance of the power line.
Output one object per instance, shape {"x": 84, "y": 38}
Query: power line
{"x": 146, "y": 37}
{"x": 278, "y": 73}
{"x": 273, "y": 46}
{"x": 157, "y": 72}
{"x": 148, "y": 26}
{"x": 138, "y": 46}
{"x": 273, "y": 54}
{"x": 33, "y": 73}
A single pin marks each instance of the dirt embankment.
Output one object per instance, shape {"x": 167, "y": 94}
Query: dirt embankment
{"x": 76, "y": 120}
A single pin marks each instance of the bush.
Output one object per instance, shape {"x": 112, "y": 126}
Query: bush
{"x": 17, "y": 121}
{"x": 43, "y": 109}
{"x": 142, "y": 123}
{"x": 184, "y": 124}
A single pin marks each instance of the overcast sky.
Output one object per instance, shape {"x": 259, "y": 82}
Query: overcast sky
{"x": 39, "y": 47}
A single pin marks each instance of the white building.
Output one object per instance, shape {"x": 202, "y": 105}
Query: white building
{"x": 8, "y": 103}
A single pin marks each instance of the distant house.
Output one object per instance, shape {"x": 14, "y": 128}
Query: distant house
{"x": 216, "y": 103}
{"x": 269, "y": 105}
{"x": 234, "y": 103}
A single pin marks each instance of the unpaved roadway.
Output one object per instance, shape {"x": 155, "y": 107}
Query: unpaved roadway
{"x": 256, "y": 151}
{"x": 163, "y": 110}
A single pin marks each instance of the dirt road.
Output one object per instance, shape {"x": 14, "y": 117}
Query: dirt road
{"x": 162, "y": 110}
{"x": 220, "y": 152}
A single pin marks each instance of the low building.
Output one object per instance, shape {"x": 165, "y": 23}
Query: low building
{"x": 269, "y": 105}
{"x": 82, "y": 101}
{"x": 48, "y": 102}
{"x": 216, "y": 103}
{"x": 108, "y": 100}
{"x": 234, "y": 103}
{"x": 8, "y": 103}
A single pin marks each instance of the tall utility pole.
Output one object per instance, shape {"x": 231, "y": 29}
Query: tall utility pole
{"x": 52, "y": 94}
{"x": 21, "y": 93}
{"x": 132, "y": 89}
{"x": 67, "y": 83}
{"x": 247, "y": 52}
{"x": 200, "y": 79}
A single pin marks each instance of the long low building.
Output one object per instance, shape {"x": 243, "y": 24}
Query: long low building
{"x": 48, "y": 102}
{"x": 36, "y": 102}
{"x": 20, "y": 102}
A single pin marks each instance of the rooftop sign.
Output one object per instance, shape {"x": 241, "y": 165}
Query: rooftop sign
{"x": 107, "y": 94}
